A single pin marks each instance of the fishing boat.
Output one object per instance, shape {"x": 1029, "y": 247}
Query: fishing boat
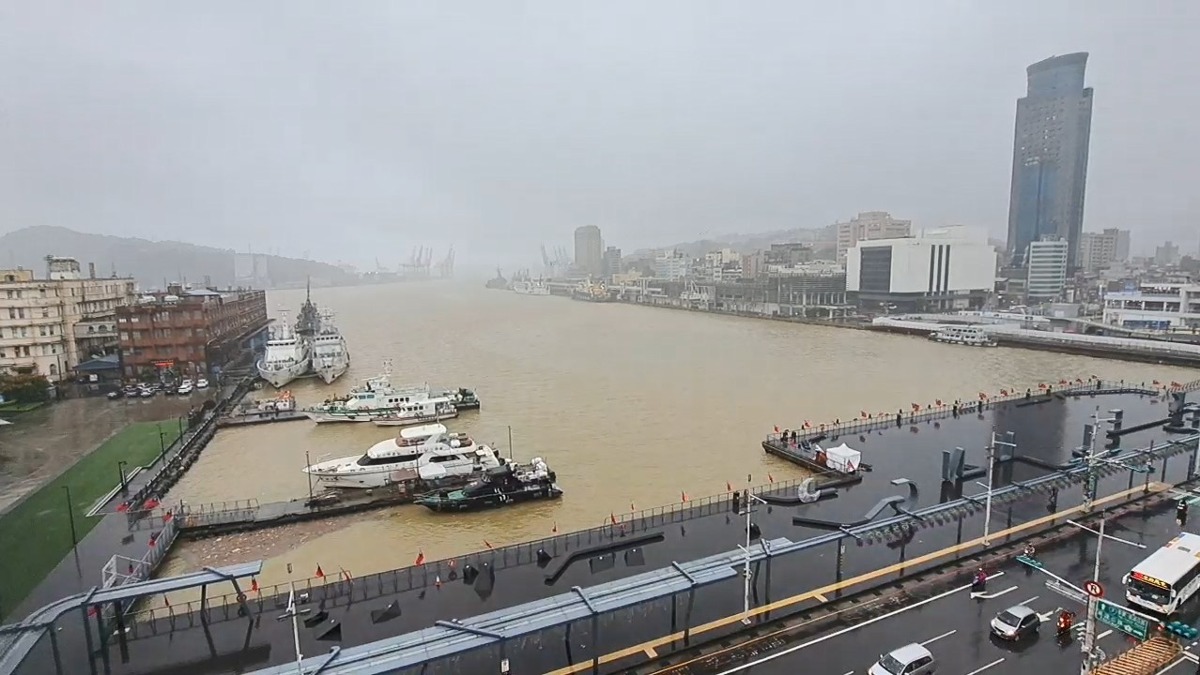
{"x": 428, "y": 452}
{"x": 972, "y": 336}
{"x": 418, "y": 412}
{"x": 498, "y": 486}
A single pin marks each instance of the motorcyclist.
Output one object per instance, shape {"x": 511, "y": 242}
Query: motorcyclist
{"x": 980, "y": 580}
{"x": 1029, "y": 551}
{"x": 1066, "y": 619}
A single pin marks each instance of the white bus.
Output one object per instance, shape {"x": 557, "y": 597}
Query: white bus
{"x": 1168, "y": 578}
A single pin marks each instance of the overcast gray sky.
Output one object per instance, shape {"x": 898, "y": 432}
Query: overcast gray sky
{"x": 359, "y": 129}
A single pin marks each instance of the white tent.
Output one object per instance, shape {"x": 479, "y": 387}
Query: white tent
{"x": 4, "y": 422}
{"x": 843, "y": 458}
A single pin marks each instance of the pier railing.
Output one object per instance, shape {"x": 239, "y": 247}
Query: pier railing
{"x": 942, "y": 409}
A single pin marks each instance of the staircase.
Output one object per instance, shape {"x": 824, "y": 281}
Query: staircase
{"x": 1147, "y": 658}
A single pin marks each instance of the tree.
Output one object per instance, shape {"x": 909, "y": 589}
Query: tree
{"x": 25, "y": 388}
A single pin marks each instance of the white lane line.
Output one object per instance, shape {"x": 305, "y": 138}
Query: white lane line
{"x": 868, "y": 622}
{"x": 1026, "y": 603}
{"x": 980, "y": 670}
{"x": 991, "y": 596}
{"x": 1182, "y": 659}
{"x": 935, "y": 639}
{"x": 850, "y": 673}
{"x": 1104, "y": 634}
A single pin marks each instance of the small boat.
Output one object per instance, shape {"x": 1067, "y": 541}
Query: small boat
{"x": 427, "y": 452}
{"x": 462, "y": 398}
{"x": 499, "y": 486}
{"x": 282, "y": 403}
{"x": 418, "y": 412}
{"x": 972, "y": 336}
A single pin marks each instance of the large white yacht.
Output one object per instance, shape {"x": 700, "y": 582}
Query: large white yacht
{"x": 375, "y": 398}
{"x": 330, "y": 357}
{"x": 419, "y": 412}
{"x": 286, "y": 357}
{"x": 427, "y": 452}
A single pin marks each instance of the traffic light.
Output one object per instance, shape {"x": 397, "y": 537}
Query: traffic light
{"x": 1182, "y": 630}
{"x": 1181, "y": 513}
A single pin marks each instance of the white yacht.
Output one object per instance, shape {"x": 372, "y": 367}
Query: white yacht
{"x": 330, "y": 357}
{"x": 375, "y": 398}
{"x": 426, "y": 452}
{"x": 530, "y": 287}
{"x": 419, "y": 412}
{"x": 286, "y": 357}
{"x": 972, "y": 336}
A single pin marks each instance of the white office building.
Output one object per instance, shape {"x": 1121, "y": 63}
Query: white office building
{"x": 670, "y": 265}
{"x": 1154, "y": 307}
{"x": 951, "y": 268}
{"x": 1100, "y": 250}
{"x": 1047, "y": 269}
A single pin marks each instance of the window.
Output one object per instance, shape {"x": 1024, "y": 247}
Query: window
{"x": 42, "y": 330}
{"x": 45, "y": 312}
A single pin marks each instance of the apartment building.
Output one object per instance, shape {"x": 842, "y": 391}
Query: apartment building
{"x": 868, "y": 226}
{"x": 50, "y": 325}
{"x": 190, "y": 331}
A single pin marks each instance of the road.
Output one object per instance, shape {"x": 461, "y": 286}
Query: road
{"x": 955, "y": 626}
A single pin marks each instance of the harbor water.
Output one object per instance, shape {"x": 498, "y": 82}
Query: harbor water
{"x": 632, "y": 406}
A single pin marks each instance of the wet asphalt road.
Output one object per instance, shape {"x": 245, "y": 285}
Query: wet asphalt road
{"x": 955, "y": 627}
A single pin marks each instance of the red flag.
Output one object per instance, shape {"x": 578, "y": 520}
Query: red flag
{"x": 863, "y": 414}
{"x": 253, "y": 584}
{"x": 168, "y": 516}
{"x": 125, "y": 505}
{"x": 770, "y": 478}
{"x": 485, "y": 543}
{"x": 777, "y": 426}
{"x": 420, "y": 557}
{"x": 916, "y": 406}
{"x": 320, "y": 572}
{"x": 166, "y": 601}
{"x": 684, "y": 496}
{"x": 150, "y": 504}
{"x": 631, "y": 509}
{"x": 452, "y": 563}
{"x": 939, "y": 402}
{"x": 554, "y": 530}
{"x": 728, "y": 488}
{"x": 612, "y": 518}
{"x": 153, "y": 539}
{"x": 92, "y": 610}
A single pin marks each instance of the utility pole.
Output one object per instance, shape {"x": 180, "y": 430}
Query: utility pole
{"x": 991, "y": 464}
{"x": 1089, "y": 486}
{"x": 1092, "y": 656}
{"x": 746, "y": 551}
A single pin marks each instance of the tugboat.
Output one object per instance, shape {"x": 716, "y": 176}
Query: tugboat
{"x": 498, "y": 486}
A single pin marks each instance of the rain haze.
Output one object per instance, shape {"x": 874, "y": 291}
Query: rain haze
{"x": 344, "y": 131}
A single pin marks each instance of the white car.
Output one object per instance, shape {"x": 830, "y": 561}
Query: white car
{"x": 185, "y": 388}
{"x": 202, "y": 383}
{"x": 910, "y": 659}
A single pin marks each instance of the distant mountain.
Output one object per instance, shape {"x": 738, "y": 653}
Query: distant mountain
{"x": 820, "y": 238}
{"x": 152, "y": 262}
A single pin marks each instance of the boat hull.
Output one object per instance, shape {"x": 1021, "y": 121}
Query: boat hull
{"x": 321, "y": 417}
{"x": 491, "y": 501}
{"x": 413, "y": 421}
{"x": 328, "y": 372}
{"x": 281, "y": 377}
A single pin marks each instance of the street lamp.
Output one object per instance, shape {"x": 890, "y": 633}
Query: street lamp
{"x": 991, "y": 464}
{"x": 121, "y": 470}
{"x": 71, "y": 516}
{"x": 746, "y": 559}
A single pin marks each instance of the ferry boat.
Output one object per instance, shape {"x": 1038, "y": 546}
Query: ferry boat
{"x": 498, "y": 486}
{"x": 428, "y": 452}
{"x": 330, "y": 357}
{"x": 375, "y": 398}
{"x": 530, "y": 287}
{"x": 973, "y": 336}
{"x": 286, "y": 358}
{"x": 418, "y": 412}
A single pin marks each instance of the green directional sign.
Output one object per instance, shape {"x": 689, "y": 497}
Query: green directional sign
{"x": 1122, "y": 619}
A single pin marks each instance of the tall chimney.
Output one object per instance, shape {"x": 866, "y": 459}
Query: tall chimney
{"x": 91, "y": 270}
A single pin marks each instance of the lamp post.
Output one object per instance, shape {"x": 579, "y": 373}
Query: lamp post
{"x": 162, "y": 444}
{"x": 121, "y": 471}
{"x": 991, "y": 463}
{"x": 746, "y": 559}
{"x": 1091, "y": 654}
{"x": 71, "y": 517}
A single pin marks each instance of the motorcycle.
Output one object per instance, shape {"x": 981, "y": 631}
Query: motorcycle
{"x": 979, "y": 582}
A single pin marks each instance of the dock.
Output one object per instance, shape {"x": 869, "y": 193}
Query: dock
{"x": 260, "y": 417}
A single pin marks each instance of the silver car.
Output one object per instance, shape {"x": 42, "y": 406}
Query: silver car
{"x": 1016, "y": 623}
{"x": 910, "y": 659}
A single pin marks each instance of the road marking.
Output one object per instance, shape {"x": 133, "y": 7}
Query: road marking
{"x": 868, "y": 622}
{"x": 1026, "y": 603}
{"x": 820, "y": 597}
{"x": 850, "y": 673}
{"x": 1104, "y": 634}
{"x": 980, "y": 670}
{"x": 935, "y": 639}
{"x": 1182, "y": 659}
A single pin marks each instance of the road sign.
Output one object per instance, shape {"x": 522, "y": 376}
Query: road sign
{"x": 1094, "y": 589}
{"x": 1122, "y": 619}
{"x": 1066, "y": 591}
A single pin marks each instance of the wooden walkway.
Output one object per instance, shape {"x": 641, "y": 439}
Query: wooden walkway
{"x": 1147, "y": 658}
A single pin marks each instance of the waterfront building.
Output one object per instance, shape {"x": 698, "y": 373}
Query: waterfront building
{"x": 1050, "y": 157}
{"x": 589, "y": 251}
{"x": 868, "y": 226}
{"x": 671, "y": 265}
{"x": 950, "y": 268}
{"x": 1099, "y": 250}
{"x": 612, "y": 262}
{"x": 49, "y": 326}
{"x": 1154, "y": 306}
{"x": 191, "y": 331}
{"x": 1047, "y": 269}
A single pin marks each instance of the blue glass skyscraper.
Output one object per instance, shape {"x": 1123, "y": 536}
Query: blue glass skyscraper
{"x": 1050, "y": 156}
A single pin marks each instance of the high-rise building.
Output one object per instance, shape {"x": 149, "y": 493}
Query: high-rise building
{"x": 1099, "y": 250}
{"x": 1047, "y": 269}
{"x": 867, "y": 226}
{"x": 589, "y": 251}
{"x": 1166, "y": 255}
{"x": 1050, "y": 157}
{"x": 612, "y": 261}
{"x": 49, "y": 326}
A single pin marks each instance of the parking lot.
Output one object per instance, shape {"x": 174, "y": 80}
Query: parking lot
{"x": 954, "y": 626}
